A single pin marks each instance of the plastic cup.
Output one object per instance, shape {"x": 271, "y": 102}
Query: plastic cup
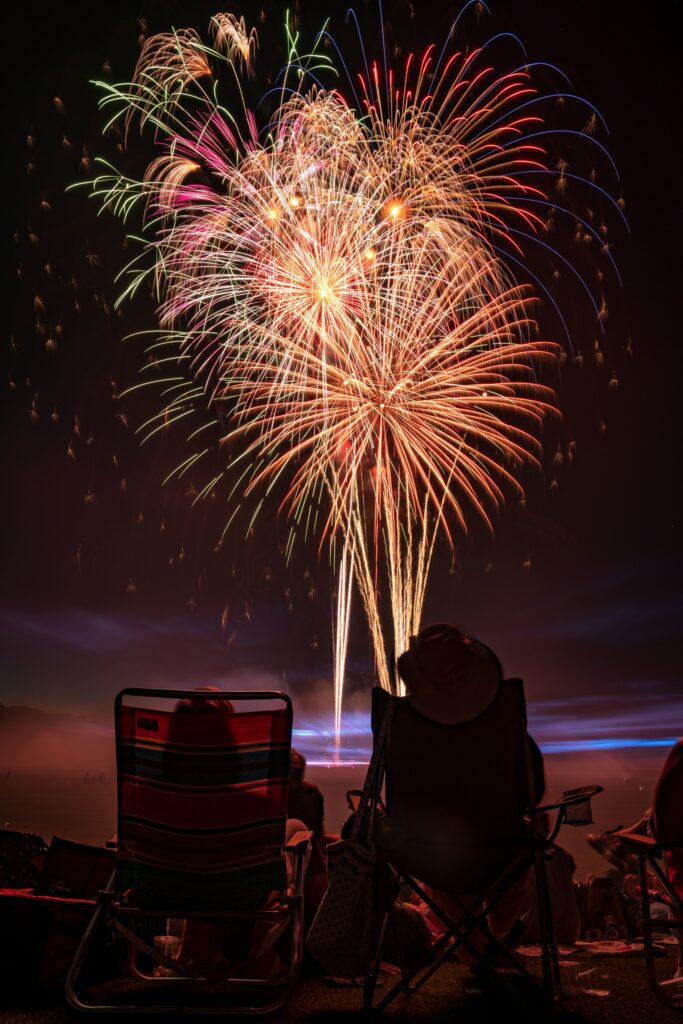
{"x": 569, "y": 985}
{"x": 169, "y": 946}
{"x": 594, "y": 982}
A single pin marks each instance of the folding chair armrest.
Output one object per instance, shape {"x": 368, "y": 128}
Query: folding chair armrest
{"x": 573, "y": 808}
{"x": 571, "y": 798}
{"x": 641, "y": 845}
{"x": 299, "y": 846}
{"x": 298, "y": 842}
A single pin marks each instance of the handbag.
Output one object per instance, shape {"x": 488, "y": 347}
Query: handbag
{"x": 345, "y": 929}
{"x": 19, "y": 852}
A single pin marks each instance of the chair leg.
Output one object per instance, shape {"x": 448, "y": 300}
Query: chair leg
{"x": 472, "y": 918}
{"x": 399, "y": 946}
{"x": 296, "y": 929}
{"x": 460, "y": 931}
{"x": 435, "y": 964}
{"x": 438, "y": 953}
{"x": 408, "y": 975}
{"x": 549, "y": 953}
{"x": 72, "y": 997}
{"x": 647, "y": 930}
{"x": 370, "y": 981}
{"x": 457, "y": 935}
{"x": 412, "y": 973}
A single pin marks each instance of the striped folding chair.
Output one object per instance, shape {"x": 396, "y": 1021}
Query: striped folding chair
{"x": 202, "y": 802}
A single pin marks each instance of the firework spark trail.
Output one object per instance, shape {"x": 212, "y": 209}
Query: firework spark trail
{"x": 230, "y": 34}
{"x": 335, "y": 284}
{"x": 350, "y": 334}
{"x": 341, "y": 631}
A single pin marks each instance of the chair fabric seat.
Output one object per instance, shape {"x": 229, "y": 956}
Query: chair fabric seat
{"x": 456, "y": 794}
{"x": 202, "y": 806}
{"x": 202, "y": 836}
{"x": 451, "y": 867}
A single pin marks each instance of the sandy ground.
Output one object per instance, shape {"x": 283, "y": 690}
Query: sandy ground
{"x": 442, "y": 1000}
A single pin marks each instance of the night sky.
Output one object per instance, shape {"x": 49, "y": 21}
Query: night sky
{"x": 110, "y": 579}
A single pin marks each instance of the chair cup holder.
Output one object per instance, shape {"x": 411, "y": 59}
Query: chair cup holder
{"x": 579, "y": 814}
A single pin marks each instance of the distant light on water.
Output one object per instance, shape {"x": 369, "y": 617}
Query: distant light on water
{"x": 338, "y": 762}
{"x": 615, "y": 743}
{"x": 316, "y": 741}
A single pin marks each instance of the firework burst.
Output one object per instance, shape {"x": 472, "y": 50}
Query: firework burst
{"x": 335, "y": 284}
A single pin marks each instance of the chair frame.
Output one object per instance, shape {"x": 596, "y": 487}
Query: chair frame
{"x": 473, "y": 918}
{"x": 650, "y": 852}
{"x": 458, "y": 932}
{"x": 112, "y": 911}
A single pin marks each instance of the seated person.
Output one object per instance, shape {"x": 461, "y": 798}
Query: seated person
{"x": 305, "y": 803}
{"x": 205, "y": 704}
{"x": 224, "y": 950}
{"x": 304, "y": 800}
{"x": 453, "y": 826}
{"x": 664, "y": 822}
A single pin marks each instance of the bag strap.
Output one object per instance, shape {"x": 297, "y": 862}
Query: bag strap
{"x": 374, "y": 777}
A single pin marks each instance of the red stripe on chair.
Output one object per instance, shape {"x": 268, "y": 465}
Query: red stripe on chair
{"x": 198, "y": 729}
{"x": 204, "y": 852}
{"x": 190, "y": 809}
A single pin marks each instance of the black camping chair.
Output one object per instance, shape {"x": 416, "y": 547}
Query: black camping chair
{"x": 666, "y": 824}
{"x": 464, "y": 777}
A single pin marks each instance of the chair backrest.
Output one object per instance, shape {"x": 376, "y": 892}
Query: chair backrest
{"x": 202, "y": 799}
{"x": 667, "y": 801}
{"x": 468, "y": 783}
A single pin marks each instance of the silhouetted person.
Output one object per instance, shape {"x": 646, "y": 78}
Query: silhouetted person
{"x": 304, "y": 800}
{"x": 206, "y": 704}
{"x": 455, "y": 742}
{"x": 664, "y": 822}
{"x": 219, "y": 948}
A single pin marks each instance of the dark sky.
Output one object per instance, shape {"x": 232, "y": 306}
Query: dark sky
{"x": 109, "y": 579}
